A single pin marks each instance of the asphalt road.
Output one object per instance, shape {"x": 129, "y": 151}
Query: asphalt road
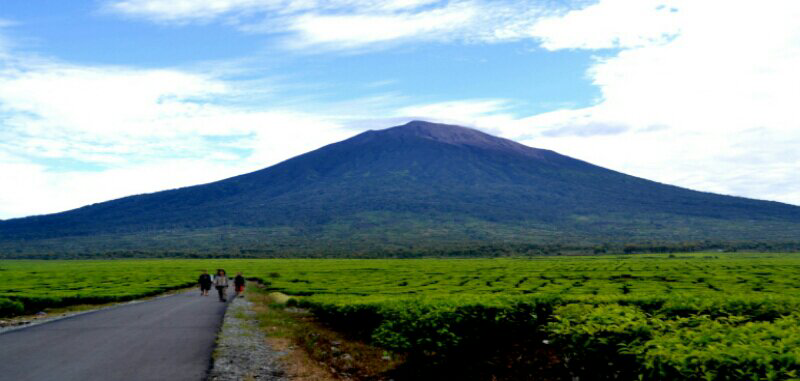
{"x": 169, "y": 338}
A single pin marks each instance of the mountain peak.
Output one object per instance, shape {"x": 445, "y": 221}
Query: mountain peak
{"x": 438, "y": 131}
{"x": 461, "y": 136}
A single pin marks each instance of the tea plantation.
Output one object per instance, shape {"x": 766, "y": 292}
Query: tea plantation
{"x": 709, "y": 316}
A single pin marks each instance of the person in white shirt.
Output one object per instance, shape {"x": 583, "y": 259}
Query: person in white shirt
{"x": 221, "y": 283}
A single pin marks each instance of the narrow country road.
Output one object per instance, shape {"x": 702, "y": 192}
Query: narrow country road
{"x": 169, "y": 338}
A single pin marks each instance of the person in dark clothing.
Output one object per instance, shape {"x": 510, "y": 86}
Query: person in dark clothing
{"x": 238, "y": 282}
{"x": 205, "y": 283}
{"x": 221, "y": 283}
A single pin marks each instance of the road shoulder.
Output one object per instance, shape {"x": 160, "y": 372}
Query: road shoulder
{"x": 242, "y": 351}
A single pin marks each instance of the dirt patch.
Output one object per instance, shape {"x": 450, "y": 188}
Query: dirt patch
{"x": 315, "y": 352}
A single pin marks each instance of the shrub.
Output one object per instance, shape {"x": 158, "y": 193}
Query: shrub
{"x": 10, "y": 307}
{"x": 726, "y": 349}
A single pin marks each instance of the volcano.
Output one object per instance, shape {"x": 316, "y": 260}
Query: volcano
{"x": 416, "y": 185}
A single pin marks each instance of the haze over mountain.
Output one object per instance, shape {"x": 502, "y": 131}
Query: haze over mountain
{"x": 416, "y": 185}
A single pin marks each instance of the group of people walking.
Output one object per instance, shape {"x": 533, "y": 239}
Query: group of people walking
{"x": 220, "y": 282}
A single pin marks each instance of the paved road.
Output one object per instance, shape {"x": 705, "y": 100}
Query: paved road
{"x": 169, "y": 338}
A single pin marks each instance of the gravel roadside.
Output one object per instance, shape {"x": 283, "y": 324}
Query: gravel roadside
{"x": 242, "y": 352}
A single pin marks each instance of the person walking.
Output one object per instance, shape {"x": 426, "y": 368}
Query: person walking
{"x": 205, "y": 283}
{"x": 221, "y": 283}
{"x": 238, "y": 283}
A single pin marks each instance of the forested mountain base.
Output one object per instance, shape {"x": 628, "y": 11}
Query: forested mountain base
{"x": 139, "y": 246}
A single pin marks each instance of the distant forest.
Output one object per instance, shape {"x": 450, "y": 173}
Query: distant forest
{"x": 477, "y": 251}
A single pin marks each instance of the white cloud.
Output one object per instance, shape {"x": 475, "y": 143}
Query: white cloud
{"x": 37, "y": 190}
{"x": 356, "y": 30}
{"x": 312, "y": 25}
{"x": 182, "y": 10}
{"x": 72, "y": 135}
{"x": 611, "y": 24}
{"x": 198, "y": 10}
{"x": 713, "y": 107}
{"x": 463, "y": 111}
{"x": 104, "y": 100}
{"x": 147, "y": 164}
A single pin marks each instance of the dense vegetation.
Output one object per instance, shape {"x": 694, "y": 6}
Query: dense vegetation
{"x": 702, "y": 316}
{"x": 416, "y": 186}
{"x": 195, "y": 248}
{"x": 30, "y": 286}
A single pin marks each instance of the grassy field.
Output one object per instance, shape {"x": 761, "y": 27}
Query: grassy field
{"x": 703, "y": 316}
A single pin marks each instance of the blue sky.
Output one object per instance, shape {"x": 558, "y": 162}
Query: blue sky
{"x": 105, "y": 98}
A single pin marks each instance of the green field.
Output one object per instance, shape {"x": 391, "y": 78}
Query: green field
{"x": 707, "y": 316}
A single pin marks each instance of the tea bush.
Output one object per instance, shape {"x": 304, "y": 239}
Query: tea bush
{"x": 648, "y": 317}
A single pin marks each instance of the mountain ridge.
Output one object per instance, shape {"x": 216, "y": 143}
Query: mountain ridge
{"x": 420, "y": 183}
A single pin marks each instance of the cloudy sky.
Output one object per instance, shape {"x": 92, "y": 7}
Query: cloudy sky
{"x": 105, "y": 98}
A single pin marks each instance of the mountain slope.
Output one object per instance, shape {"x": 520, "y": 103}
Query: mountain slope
{"x": 420, "y": 183}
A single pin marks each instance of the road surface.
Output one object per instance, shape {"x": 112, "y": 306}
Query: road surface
{"x": 169, "y": 338}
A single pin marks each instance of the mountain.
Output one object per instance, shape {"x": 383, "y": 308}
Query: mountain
{"x": 417, "y": 185}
